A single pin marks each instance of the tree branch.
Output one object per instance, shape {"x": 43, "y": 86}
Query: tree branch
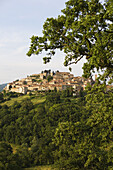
{"x": 109, "y": 31}
{"x": 75, "y": 62}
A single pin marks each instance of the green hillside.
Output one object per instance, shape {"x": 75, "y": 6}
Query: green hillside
{"x": 34, "y": 99}
{"x": 56, "y": 130}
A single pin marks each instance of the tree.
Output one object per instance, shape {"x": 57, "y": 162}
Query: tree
{"x": 1, "y": 97}
{"x": 27, "y": 105}
{"x": 7, "y": 159}
{"x": 55, "y": 89}
{"x": 85, "y": 29}
{"x": 49, "y": 78}
{"x": 52, "y": 98}
{"x": 24, "y": 82}
{"x": 25, "y": 156}
{"x": 79, "y": 146}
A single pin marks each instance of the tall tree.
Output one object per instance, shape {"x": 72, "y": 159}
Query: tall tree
{"x": 85, "y": 29}
{"x": 7, "y": 159}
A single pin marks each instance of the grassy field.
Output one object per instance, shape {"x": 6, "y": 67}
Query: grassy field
{"x": 35, "y": 100}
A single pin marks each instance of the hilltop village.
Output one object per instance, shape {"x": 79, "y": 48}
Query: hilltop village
{"x": 47, "y": 80}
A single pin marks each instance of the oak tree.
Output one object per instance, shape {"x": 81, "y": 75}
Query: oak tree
{"x": 83, "y": 30}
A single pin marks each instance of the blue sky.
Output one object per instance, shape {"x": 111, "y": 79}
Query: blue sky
{"x": 19, "y": 20}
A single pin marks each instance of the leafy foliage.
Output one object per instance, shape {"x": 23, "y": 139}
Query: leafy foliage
{"x": 49, "y": 78}
{"x": 7, "y": 159}
{"x": 1, "y": 97}
{"x": 71, "y": 134}
{"x": 85, "y": 29}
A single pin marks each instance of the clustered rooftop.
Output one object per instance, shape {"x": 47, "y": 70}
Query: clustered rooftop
{"x": 47, "y": 80}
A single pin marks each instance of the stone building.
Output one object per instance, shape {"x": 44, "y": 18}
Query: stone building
{"x": 38, "y": 82}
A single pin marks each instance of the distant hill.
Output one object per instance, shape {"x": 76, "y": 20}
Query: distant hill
{"x": 2, "y": 86}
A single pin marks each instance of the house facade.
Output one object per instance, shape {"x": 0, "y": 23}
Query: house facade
{"x": 39, "y": 82}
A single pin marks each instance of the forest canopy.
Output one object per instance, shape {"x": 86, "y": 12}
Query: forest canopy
{"x": 83, "y": 30}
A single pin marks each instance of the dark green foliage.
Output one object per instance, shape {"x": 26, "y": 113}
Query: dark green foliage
{"x": 52, "y": 98}
{"x": 49, "y": 78}
{"x": 8, "y": 161}
{"x": 55, "y": 89}
{"x": 15, "y": 122}
{"x": 86, "y": 143}
{"x": 12, "y": 94}
{"x": 63, "y": 112}
{"x": 25, "y": 156}
{"x": 1, "y": 97}
{"x": 71, "y": 133}
{"x": 67, "y": 93}
{"x": 26, "y": 105}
